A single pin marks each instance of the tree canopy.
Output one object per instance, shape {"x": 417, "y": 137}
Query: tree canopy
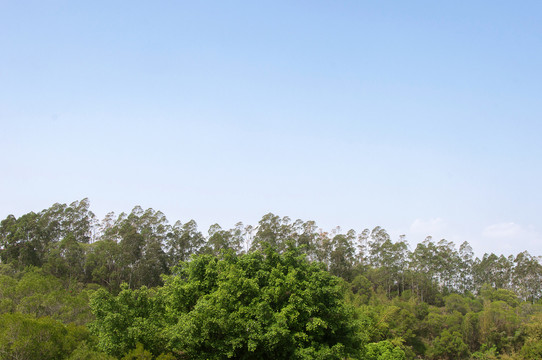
{"x": 134, "y": 286}
{"x": 260, "y": 305}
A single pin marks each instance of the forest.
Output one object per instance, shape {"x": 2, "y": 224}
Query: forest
{"x": 135, "y": 286}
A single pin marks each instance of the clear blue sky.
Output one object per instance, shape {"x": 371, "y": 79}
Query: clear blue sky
{"x": 422, "y": 117}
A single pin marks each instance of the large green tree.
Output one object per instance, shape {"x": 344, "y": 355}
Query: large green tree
{"x": 261, "y": 305}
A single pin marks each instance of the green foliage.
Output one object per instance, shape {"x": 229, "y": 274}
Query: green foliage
{"x": 33, "y": 239}
{"x": 258, "y": 305}
{"x": 471, "y": 330}
{"x": 85, "y": 352}
{"x": 448, "y": 346}
{"x": 139, "y": 353}
{"x": 25, "y": 337}
{"x": 489, "y": 293}
{"x": 362, "y": 287}
{"x": 267, "y": 304}
{"x": 485, "y": 353}
{"x": 499, "y": 323}
{"x": 262, "y": 306}
{"x": 456, "y": 302}
{"x": 532, "y": 349}
{"x": 384, "y": 350}
{"x": 34, "y": 292}
{"x": 131, "y": 317}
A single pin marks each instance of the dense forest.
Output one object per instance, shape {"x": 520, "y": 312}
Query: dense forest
{"x": 135, "y": 286}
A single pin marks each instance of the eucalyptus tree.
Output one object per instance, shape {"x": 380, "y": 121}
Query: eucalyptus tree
{"x": 497, "y": 271}
{"x": 183, "y": 240}
{"x": 222, "y": 240}
{"x": 377, "y": 241}
{"x": 528, "y": 276}
{"x": 464, "y": 271}
{"x": 273, "y": 231}
{"x": 21, "y": 240}
{"x": 423, "y": 269}
{"x": 103, "y": 264}
{"x": 448, "y": 262}
{"x": 74, "y": 227}
{"x": 324, "y": 247}
{"x": 400, "y": 262}
{"x": 389, "y": 264}
{"x": 141, "y": 236}
{"x": 56, "y": 232}
{"x": 362, "y": 251}
{"x": 306, "y": 237}
{"x": 342, "y": 256}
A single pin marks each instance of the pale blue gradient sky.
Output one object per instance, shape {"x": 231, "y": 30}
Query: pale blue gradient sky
{"x": 422, "y": 117}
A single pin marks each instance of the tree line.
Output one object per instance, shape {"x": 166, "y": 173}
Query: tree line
{"x": 138, "y": 247}
{"x": 135, "y": 286}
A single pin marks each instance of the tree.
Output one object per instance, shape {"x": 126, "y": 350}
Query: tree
{"x": 274, "y": 232}
{"x": 528, "y": 276}
{"x": 259, "y": 305}
{"x": 384, "y": 350}
{"x": 306, "y": 237}
{"x": 499, "y": 322}
{"x": 141, "y": 236}
{"x": 222, "y": 240}
{"x": 448, "y": 346}
{"x": 103, "y": 264}
{"x": 25, "y": 337}
{"x": 85, "y": 352}
{"x": 424, "y": 270}
{"x": 183, "y": 241}
{"x": 22, "y": 241}
{"x": 465, "y": 280}
{"x": 54, "y": 234}
{"x": 341, "y": 258}
{"x": 532, "y": 349}
{"x": 123, "y": 321}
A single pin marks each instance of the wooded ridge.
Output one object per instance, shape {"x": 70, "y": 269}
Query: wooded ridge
{"x": 135, "y": 286}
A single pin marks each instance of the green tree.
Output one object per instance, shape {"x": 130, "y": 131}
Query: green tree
{"x": 528, "y": 276}
{"x": 183, "y": 241}
{"x": 258, "y": 305}
{"x": 131, "y": 317}
{"x": 384, "y": 350}
{"x": 222, "y": 240}
{"x": 499, "y": 322}
{"x": 23, "y": 241}
{"x": 141, "y": 236}
{"x": 85, "y": 352}
{"x": 449, "y": 346}
{"x": 273, "y": 231}
{"x": 341, "y": 258}
{"x": 264, "y": 306}
{"x": 532, "y": 349}
{"x": 103, "y": 264}
{"x": 25, "y": 337}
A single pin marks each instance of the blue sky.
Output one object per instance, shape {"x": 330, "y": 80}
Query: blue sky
{"x": 421, "y": 117}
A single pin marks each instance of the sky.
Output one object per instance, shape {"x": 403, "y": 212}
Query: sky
{"x": 421, "y": 117}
